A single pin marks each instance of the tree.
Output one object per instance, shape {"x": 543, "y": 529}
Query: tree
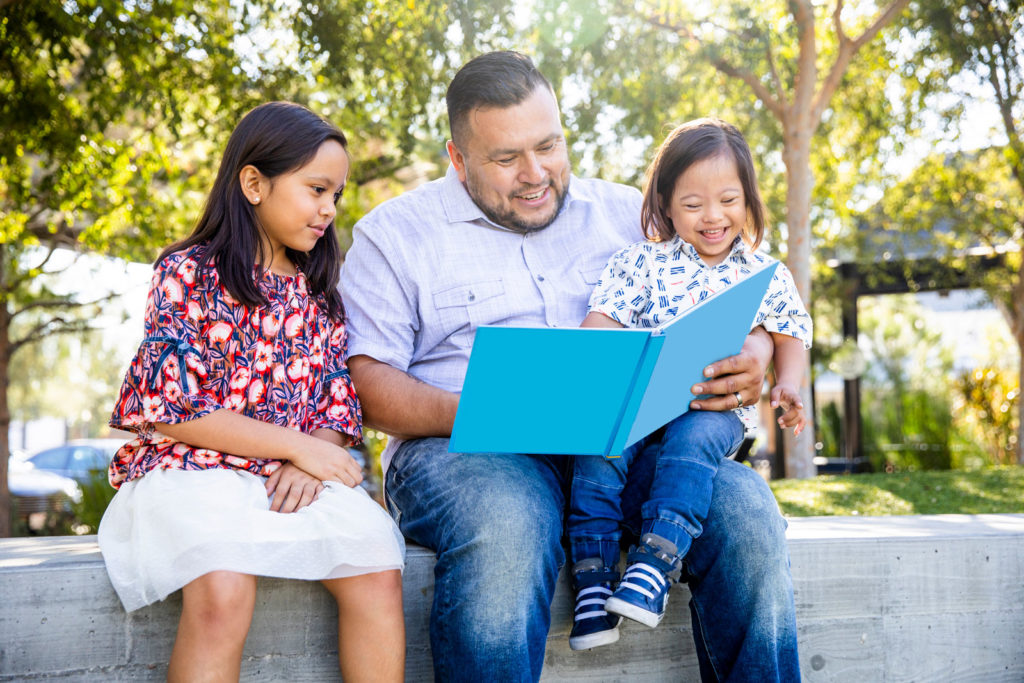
{"x": 93, "y": 97}
{"x": 792, "y": 58}
{"x": 114, "y": 114}
{"x": 984, "y": 40}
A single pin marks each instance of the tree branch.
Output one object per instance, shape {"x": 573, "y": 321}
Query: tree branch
{"x": 807, "y": 60}
{"x": 21, "y": 279}
{"x": 48, "y": 328}
{"x": 770, "y": 101}
{"x": 59, "y": 303}
{"x": 848, "y": 48}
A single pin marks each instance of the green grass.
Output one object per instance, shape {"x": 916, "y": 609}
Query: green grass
{"x": 999, "y": 489}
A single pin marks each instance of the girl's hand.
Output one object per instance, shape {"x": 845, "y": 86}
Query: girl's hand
{"x": 787, "y": 397}
{"x": 292, "y": 488}
{"x": 328, "y": 462}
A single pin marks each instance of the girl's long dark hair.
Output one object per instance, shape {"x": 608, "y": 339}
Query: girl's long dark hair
{"x": 276, "y": 138}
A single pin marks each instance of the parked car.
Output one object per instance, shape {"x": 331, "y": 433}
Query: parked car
{"x": 44, "y": 485}
{"x": 78, "y": 459}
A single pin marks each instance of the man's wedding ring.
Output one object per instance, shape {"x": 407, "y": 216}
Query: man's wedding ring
{"x": 739, "y": 399}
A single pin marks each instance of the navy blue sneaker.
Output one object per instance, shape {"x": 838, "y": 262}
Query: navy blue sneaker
{"x": 642, "y": 594}
{"x": 592, "y": 625}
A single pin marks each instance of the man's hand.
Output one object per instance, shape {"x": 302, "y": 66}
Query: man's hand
{"x": 736, "y": 380}
{"x": 292, "y": 488}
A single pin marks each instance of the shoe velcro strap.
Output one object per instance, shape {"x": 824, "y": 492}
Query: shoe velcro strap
{"x": 640, "y": 557}
{"x": 593, "y": 601}
{"x": 637, "y": 588}
{"x": 590, "y": 615}
{"x": 584, "y": 579}
{"x": 646, "y": 572}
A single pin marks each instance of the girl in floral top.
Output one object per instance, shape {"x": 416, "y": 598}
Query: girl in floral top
{"x": 704, "y": 218}
{"x": 243, "y": 408}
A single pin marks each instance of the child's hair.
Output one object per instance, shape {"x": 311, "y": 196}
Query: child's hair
{"x": 688, "y": 144}
{"x": 276, "y": 138}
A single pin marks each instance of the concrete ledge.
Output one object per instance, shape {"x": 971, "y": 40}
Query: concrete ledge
{"x": 878, "y": 599}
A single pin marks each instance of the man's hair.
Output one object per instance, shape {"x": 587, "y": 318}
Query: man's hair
{"x": 497, "y": 79}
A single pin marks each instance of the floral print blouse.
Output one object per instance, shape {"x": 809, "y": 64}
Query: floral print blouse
{"x": 282, "y": 363}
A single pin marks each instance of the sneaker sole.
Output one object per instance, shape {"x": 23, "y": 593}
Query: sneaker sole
{"x": 592, "y": 640}
{"x": 619, "y": 606}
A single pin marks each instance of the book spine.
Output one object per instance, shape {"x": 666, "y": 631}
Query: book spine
{"x": 635, "y": 395}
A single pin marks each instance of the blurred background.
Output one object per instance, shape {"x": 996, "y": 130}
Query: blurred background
{"x": 888, "y": 136}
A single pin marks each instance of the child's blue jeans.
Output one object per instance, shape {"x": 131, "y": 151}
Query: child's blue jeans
{"x": 691, "y": 447}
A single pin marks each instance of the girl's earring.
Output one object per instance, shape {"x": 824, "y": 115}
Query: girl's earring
{"x": 256, "y": 200}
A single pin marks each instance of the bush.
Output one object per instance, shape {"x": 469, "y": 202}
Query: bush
{"x": 96, "y": 495}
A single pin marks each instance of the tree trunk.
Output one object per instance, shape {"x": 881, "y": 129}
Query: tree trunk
{"x": 5, "y": 413}
{"x": 1015, "y": 317}
{"x": 796, "y": 154}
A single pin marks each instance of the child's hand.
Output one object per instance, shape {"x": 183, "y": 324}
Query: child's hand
{"x": 292, "y": 488}
{"x": 787, "y": 397}
{"x": 328, "y": 462}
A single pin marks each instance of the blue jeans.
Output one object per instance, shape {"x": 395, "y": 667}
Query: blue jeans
{"x": 688, "y": 451}
{"x": 495, "y": 522}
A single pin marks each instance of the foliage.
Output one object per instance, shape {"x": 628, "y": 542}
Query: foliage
{"x": 96, "y": 495}
{"x": 114, "y": 114}
{"x": 986, "y": 403}
{"x": 906, "y": 413}
{"x": 984, "y": 491}
{"x": 978, "y": 47}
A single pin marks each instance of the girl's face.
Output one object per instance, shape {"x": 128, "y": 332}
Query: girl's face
{"x": 296, "y": 209}
{"x": 707, "y": 207}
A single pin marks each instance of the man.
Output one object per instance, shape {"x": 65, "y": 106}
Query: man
{"x": 509, "y": 237}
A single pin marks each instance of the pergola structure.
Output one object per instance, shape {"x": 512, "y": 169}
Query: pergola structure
{"x": 901, "y": 276}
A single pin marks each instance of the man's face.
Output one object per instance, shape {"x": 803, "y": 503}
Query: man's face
{"x": 514, "y": 162}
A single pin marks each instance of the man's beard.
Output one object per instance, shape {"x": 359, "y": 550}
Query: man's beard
{"x": 510, "y": 219}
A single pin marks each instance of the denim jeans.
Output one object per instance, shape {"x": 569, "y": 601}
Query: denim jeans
{"x": 687, "y": 453}
{"x": 495, "y": 522}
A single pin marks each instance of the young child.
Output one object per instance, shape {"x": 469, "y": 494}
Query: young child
{"x": 242, "y": 405}
{"x": 704, "y": 218}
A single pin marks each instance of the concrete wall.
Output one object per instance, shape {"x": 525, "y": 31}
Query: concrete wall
{"x": 878, "y": 599}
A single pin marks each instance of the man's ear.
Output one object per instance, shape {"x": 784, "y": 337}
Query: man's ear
{"x": 251, "y": 181}
{"x": 458, "y": 161}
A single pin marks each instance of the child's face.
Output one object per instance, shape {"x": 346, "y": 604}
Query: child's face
{"x": 297, "y": 207}
{"x": 707, "y": 207}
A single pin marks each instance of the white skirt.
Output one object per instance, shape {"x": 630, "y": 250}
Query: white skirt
{"x": 169, "y": 527}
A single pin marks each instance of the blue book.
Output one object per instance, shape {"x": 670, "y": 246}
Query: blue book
{"x": 593, "y": 391}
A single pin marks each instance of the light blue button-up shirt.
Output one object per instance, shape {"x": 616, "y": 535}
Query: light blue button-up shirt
{"x": 427, "y": 268}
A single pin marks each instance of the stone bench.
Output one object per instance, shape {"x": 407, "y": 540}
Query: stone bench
{"x": 929, "y": 598}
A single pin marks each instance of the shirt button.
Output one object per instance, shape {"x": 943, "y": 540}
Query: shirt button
{"x": 472, "y": 297}
{"x": 540, "y": 278}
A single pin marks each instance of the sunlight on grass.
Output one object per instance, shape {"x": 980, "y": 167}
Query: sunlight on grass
{"x": 995, "y": 490}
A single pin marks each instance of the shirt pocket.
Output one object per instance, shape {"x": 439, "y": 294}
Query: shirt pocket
{"x": 591, "y": 276}
{"x": 463, "y": 308}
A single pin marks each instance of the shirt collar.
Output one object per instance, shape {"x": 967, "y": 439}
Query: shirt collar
{"x": 739, "y": 252}
{"x": 459, "y": 207}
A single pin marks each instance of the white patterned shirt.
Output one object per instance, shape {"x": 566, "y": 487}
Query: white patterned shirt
{"x": 649, "y": 283}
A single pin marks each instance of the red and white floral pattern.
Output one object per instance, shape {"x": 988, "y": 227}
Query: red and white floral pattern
{"x": 282, "y": 363}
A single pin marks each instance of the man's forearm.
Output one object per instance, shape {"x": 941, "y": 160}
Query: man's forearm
{"x": 399, "y": 404}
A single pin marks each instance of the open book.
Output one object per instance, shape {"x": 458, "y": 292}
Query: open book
{"x": 589, "y": 391}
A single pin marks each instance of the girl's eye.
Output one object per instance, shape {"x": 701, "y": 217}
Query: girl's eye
{"x": 318, "y": 189}
{"x": 691, "y": 207}
{"x": 337, "y": 197}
